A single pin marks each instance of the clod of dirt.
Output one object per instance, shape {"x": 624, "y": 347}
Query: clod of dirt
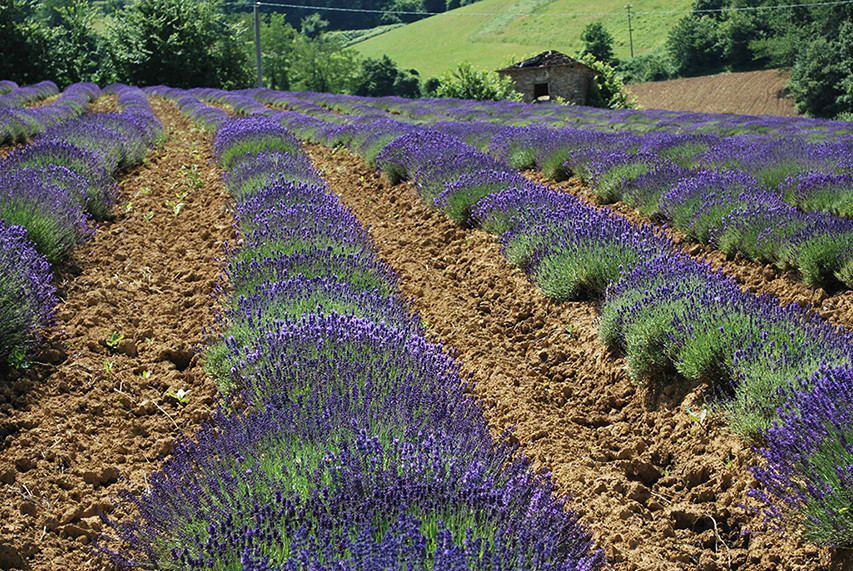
{"x": 10, "y": 558}
{"x": 180, "y": 358}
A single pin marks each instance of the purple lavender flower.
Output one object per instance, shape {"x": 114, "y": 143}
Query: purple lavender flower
{"x": 27, "y": 297}
{"x": 28, "y": 94}
{"x": 308, "y": 485}
{"x": 7, "y": 86}
{"x": 808, "y": 476}
{"x": 674, "y": 314}
{"x": 98, "y": 193}
{"x": 239, "y": 138}
{"x": 269, "y": 169}
{"x": 53, "y": 217}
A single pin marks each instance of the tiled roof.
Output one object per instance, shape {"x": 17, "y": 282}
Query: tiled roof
{"x": 547, "y": 59}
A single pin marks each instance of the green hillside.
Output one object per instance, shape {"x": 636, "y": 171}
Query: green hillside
{"x": 486, "y": 34}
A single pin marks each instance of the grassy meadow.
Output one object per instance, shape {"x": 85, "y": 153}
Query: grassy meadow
{"x": 488, "y": 36}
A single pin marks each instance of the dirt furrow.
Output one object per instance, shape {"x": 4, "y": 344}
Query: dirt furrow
{"x": 119, "y": 377}
{"x": 660, "y": 489}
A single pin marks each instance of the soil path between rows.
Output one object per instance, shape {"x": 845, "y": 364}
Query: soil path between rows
{"x": 754, "y": 276}
{"x": 659, "y": 491}
{"x": 88, "y": 411}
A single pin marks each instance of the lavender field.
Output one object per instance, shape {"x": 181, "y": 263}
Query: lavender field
{"x": 444, "y": 334}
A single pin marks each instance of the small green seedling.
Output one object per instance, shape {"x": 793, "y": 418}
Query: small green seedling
{"x": 109, "y": 367}
{"x": 113, "y": 339}
{"x": 193, "y": 178}
{"x": 128, "y": 206}
{"x": 18, "y": 359}
{"x": 699, "y": 417}
{"x": 145, "y": 375}
{"x": 148, "y": 215}
{"x": 174, "y": 206}
{"x": 180, "y": 395}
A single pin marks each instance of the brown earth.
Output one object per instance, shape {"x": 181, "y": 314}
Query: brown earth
{"x": 97, "y": 401}
{"x": 659, "y": 490}
{"x": 744, "y": 93}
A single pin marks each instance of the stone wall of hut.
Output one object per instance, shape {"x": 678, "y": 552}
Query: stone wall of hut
{"x": 569, "y": 82}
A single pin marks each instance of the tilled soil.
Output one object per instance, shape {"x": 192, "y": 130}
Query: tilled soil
{"x": 744, "y": 93}
{"x": 95, "y": 409}
{"x": 659, "y": 490}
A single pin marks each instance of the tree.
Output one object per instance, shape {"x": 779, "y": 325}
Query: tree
{"x": 822, "y": 77}
{"x": 466, "y": 82}
{"x": 277, "y": 39}
{"x": 313, "y": 25}
{"x": 78, "y": 50}
{"x": 652, "y": 66}
{"x": 322, "y": 64}
{"x": 25, "y": 43}
{"x": 692, "y": 46}
{"x": 710, "y": 8}
{"x": 177, "y": 43}
{"x": 382, "y": 77}
{"x": 598, "y": 42}
{"x": 408, "y": 84}
{"x": 736, "y": 35}
{"x": 606, "y": 89}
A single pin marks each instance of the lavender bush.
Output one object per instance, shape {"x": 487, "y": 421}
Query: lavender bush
{"x": 239, "y": 138}
{"x": 820, "y": 192}
{"x": 672, "y": 314}
{"x": 97, "y": 193}
{"x": 6, "y": 86}
{"x": 53, "y": 217}
{"x": 27, "y": 297}
{"x": 807, "y": 479}
{"x": 304, "y": 486}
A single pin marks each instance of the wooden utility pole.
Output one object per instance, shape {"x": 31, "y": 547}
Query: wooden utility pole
{"x": 258, "y": 45}
{"x": 630, "y": 31}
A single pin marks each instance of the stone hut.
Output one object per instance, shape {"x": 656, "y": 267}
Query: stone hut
{"x": 549, "y": 75}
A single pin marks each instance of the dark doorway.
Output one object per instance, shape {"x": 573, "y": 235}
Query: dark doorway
{"x": 540, "y": 90}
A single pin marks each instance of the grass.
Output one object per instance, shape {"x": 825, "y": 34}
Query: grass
{"x": 436, "y": 44}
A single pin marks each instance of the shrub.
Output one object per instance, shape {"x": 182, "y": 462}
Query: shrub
{"x": 466, "y": 82}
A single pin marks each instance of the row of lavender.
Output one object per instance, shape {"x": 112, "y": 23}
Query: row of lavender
{"x": 589, "y": 118}
{"x": 664, "y": 310}
{"x": 19, "y": 124}
{"x": 52, "y": 193}
{"x": 7, "y": 86}
{"x": 359, "y": 449}
{"x": 11, "y": 95}
{"x": 782, "y": 193}
{"x": 781, "y": 201}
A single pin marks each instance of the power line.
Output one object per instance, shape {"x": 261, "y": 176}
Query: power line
{"x": 551, "y": 15}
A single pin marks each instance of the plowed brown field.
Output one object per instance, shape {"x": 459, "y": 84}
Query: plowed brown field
{"x": 745, "y": 93}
